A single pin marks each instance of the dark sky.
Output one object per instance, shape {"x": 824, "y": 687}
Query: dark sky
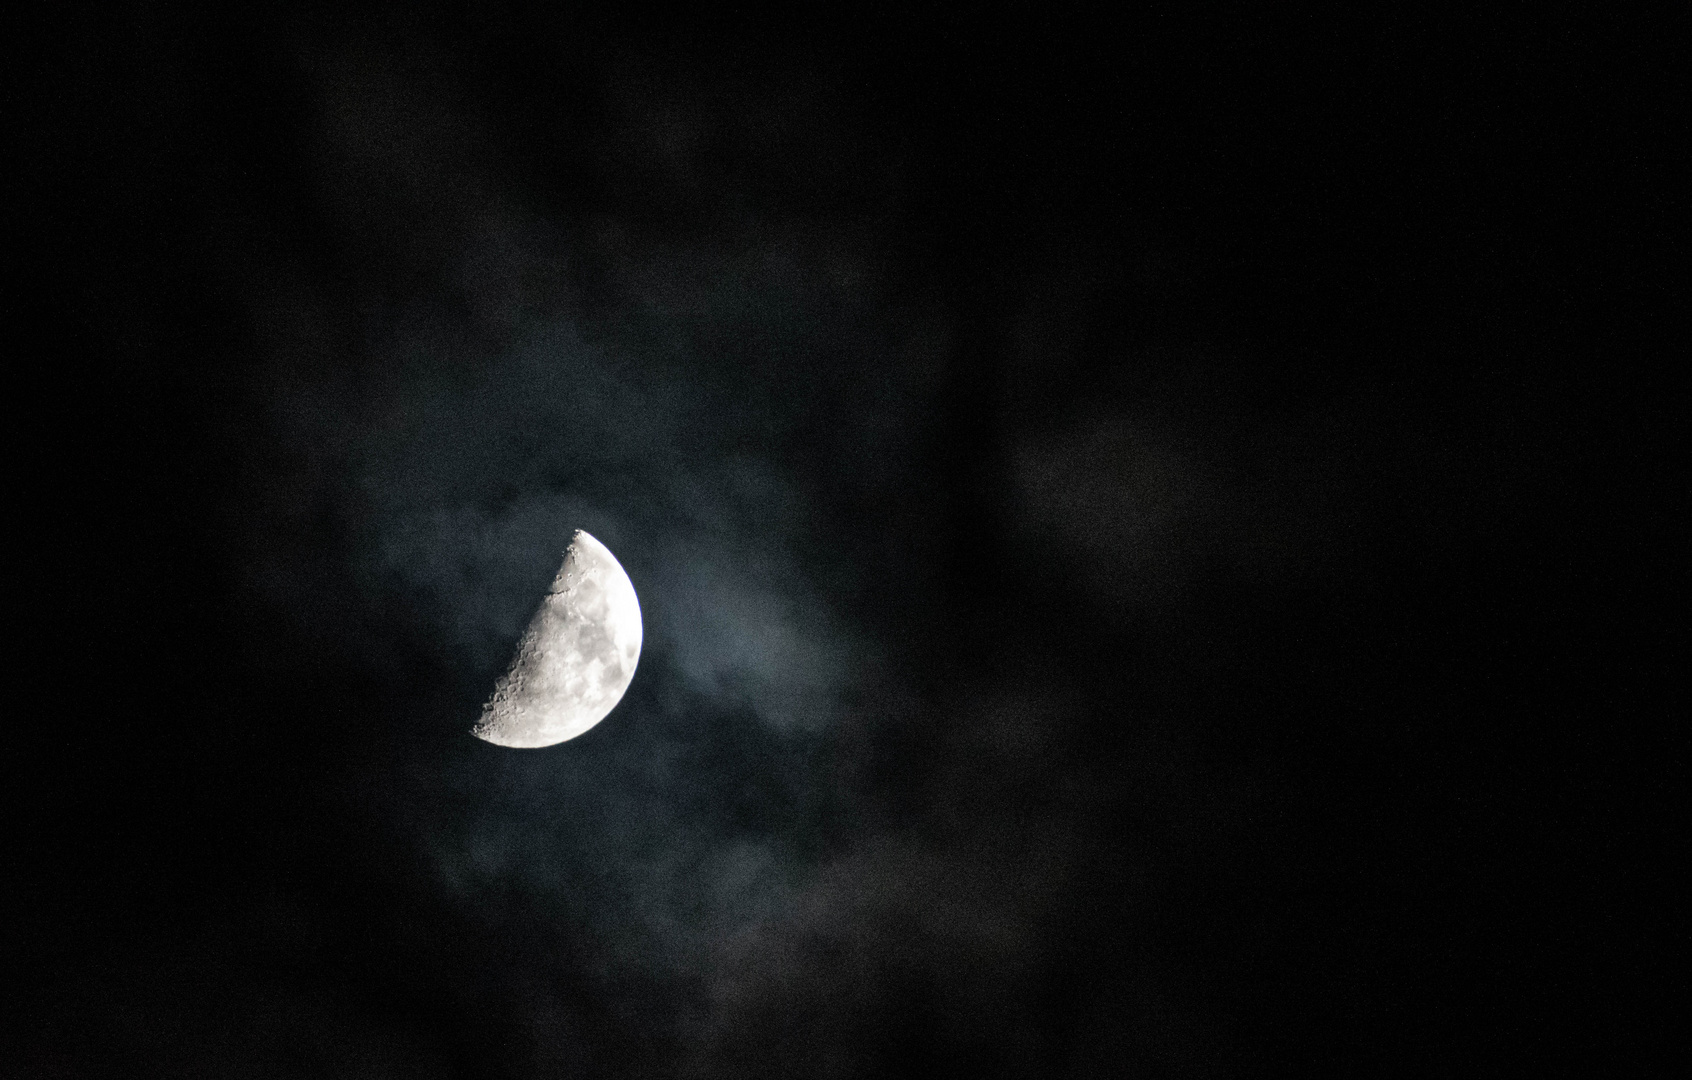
{"x": 1148, "y": 536}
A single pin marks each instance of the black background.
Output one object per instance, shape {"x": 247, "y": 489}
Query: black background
{"x": 1291, "y": 458}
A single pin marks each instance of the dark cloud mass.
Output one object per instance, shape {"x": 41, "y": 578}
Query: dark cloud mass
{"x": 1129, "y": 557}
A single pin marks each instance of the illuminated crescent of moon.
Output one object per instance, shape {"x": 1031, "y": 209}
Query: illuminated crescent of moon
{"x": 576, "y": 658}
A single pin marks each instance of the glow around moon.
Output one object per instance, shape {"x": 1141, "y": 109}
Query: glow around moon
{"x": 576, "y": 658}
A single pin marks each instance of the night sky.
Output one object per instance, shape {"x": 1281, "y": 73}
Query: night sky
{"x": 1150, "y": 538}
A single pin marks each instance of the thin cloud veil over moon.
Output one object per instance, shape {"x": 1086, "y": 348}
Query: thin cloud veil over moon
{"x": 576, "y": 658}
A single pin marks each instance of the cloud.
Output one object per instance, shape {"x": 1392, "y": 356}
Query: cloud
{"x": 719, "y": 410}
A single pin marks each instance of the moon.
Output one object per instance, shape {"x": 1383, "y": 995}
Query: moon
{"x": 576, "y": 658}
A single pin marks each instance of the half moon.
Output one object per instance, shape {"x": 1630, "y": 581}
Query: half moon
{"x": 575, "y": 659}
